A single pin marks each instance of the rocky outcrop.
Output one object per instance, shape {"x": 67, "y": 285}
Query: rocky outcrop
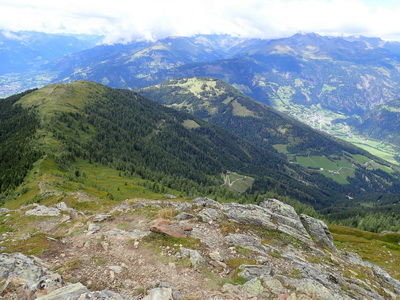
{"x": 319, "y": 231}
{"x": 43, "y": 211}
{"x": 263, "y": 251}
{"x": 271, "y": 214}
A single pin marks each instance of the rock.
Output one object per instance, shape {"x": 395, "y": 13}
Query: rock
{"x": 116, "y": 269}
{"x": 209, "y": 214}
{"x": 271, "y": 214}
{"x": 19, "y": 269}
{"x": 43, "y": 211}
{"x": 4, "y": 210}
{"x": 159, "y": 294}
{"x": 319, "y": 231}
{"x": 101, "y": 217}
{"x": 250, "y": 272}
{"x": 252, "y": 288}
{"x": 45, "y": 285}
{"x": 169, "y": 196}
{"x": 197, "y": 261}
{"x": 183, "y": 206}
{"x": 93, "y": 228}
{"x": 184, "y": 216}
{"x": 216, "y": 256}
{"x": 206, "y": 202}
{"x": 73, "y": 291}
{"x": 158, "y": 284}
{"x": 172, "y": 229}
{"x": 62, "y": 206}
{"x": 246, "y": 291}
{"x": 102, "y": 295}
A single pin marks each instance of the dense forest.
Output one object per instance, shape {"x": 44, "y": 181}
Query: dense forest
{"x": 17, "y": 152}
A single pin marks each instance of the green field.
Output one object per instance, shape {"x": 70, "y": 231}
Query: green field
{"x": 236, "y": 182}
{"x": 338, "y": 170}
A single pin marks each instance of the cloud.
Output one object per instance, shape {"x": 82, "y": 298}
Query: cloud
{"x": 124, "y": 21}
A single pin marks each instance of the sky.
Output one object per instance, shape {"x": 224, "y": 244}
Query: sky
{"x": 125, "y": 21}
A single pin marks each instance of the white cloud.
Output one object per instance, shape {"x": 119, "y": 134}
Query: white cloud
{"x": 121, "y": 20}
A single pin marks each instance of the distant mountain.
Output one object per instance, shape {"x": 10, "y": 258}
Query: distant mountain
{"x": 27, "y": 50}
{"x": 317, "y": 79}
{"x": 349, "y": 75}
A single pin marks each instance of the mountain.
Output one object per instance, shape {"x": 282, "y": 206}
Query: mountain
{"x": 69, "y": 129}
{"x": 124, "y": 131}
{"x": 224, "y": 106}
{"x": 381, "y": 123}
{"x": 319, "y": 80}
{"x": 28, "y": 50}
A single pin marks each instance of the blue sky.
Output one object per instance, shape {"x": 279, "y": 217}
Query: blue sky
{"x": 127, "y": 20}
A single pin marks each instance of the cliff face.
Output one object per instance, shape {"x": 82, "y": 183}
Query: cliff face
{"x": 146, "y": 249}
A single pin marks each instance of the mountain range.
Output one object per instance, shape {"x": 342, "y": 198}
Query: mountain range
{"x": 322, "y": 81}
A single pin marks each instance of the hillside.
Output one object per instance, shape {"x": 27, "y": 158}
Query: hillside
{"x": 381, "y": 123}
{"x": 138, "y": 137}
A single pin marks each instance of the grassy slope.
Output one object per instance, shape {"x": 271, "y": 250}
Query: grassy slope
{"x": 380, "y": 249}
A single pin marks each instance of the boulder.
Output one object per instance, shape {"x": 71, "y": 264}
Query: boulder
{"x": 72, "y": 291}
{"x": 249, "y": 272}
{"x": 19, "y": 269}
{"x": 101, "y": 217}
{"x": 43, "y": 211}
{"x": 197, "y": 261}
{"x": 184, "y": 216}
{"x": 271, "y": 214}
{"x": 319, "y": 231}
{"x": 209, "y": 214}
{"x": 206, "y": 202}
{"x": 172, "y": 229}
{"x": 160, "y": 293}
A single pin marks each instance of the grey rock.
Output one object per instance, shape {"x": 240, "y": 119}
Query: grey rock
{"x": 62, "y": 206}
{"x": 159, "y": 294}
{"x": 45, "y": 285}
{"x": 273, "y": 214}
{"x": 43, "y": 211}
{"x": 19, "y": 269}
{"x": 184, "y": 216}
{"x": 206, "y": 202}
{"x": 93, "y": 228}
{"x": 183, "y": 206}
{"x": 195, "y": 258}
{"x": 216, "y": 256}
{"x": 73, "y": 291}
{"x": 158, "y": 284}
{"x": 209, "y": 214}
{"x": 103, "y": 295}
{"x": 101, "y": 217}
{"x": 116, "y": 269}
{"x": 319, "y": 231}
{"x": 249, "y": 272}
{"x": 4, "y": 210}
